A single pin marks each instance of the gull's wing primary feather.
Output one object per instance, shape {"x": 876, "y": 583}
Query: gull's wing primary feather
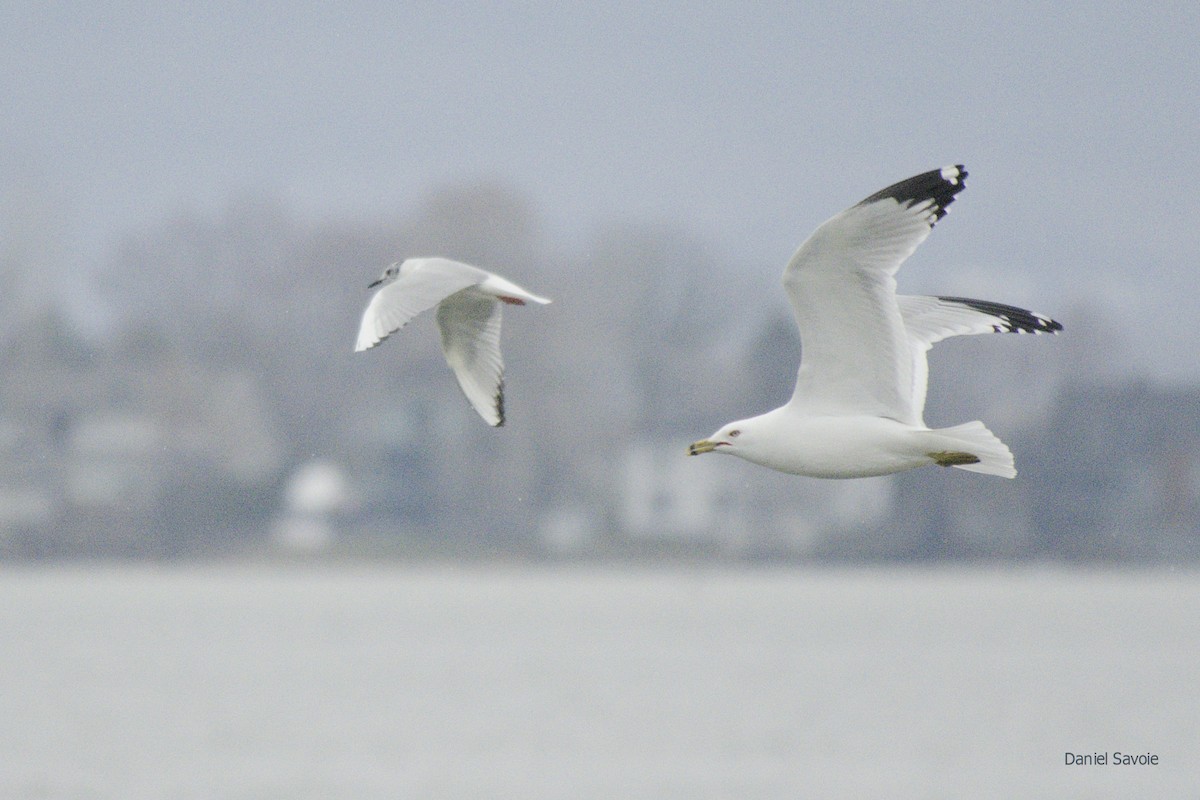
{"x": 929, "y": 320}
{"x": 856, "y": 357}
{"x": 470, "y": 326}
{"x": 423, "y": 283}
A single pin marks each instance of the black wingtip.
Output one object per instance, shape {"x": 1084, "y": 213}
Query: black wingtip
{"x": 1010, "y": 319}
{"x": 938, "y": 185}
{"x": 500, "y": 404}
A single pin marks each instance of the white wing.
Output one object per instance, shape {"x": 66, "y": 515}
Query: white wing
{"x": 928, "y": 320}
{"x": 470, "y": 325}
{"x": 856, "y": 357}
{"x": 423, "y": 283}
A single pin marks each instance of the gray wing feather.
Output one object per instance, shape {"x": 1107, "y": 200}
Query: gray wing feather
{"x": 855, "y": 354}
{"x": 470, "y": 324}
{"x": 840, "y": 282}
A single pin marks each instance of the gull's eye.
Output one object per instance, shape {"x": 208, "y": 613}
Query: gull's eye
{"x": 734, "y": 434}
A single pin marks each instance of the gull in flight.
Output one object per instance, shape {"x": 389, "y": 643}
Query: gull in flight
{"x": 858, "y": 406}
{"x": 468, "y": 301}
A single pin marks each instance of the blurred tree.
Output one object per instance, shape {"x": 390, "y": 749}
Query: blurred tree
{"x": 655, "y": 287}
{"x": 487, "y": 223}
{"x": 771, "y": 363}
{"x": 33, "y": 263}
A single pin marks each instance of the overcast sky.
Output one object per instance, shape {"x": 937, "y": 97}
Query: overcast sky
{"x": 746, "y": 123}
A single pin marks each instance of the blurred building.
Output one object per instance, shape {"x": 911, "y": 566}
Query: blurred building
{"x": 127, "y": 451}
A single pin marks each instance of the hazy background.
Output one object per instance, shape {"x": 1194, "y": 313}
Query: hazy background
{"x": 193, "y": 199}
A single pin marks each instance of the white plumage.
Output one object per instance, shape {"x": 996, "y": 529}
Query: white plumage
{"x": 468, "y": 301}
{"x": 857, "y": 409}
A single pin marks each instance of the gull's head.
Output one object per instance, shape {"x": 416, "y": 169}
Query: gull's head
{"x": 726, "y": 440}
{"x": 390, "y": 274}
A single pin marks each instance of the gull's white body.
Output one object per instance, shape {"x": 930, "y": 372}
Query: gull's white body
{"x": 857, "y": 408}
{"x": 854, "y": 446}
{"x": 469, "y": 302}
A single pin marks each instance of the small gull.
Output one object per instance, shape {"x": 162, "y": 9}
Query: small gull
{"x": 858, "y": 406}
{"x": 468, "y": 301}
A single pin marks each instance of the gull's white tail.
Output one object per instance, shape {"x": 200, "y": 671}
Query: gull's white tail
{"x": 973, "y": 437}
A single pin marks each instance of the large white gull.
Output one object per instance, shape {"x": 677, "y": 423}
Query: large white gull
{"x": 469, "y": 304}
{"x": 858, "y": 406}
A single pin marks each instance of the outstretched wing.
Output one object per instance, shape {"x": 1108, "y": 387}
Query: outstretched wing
{"x": 423, "y": 283}
{"x": 856, "y": 356}
{"x": 470, "y": 326}
{"x": 928, "y": 320}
